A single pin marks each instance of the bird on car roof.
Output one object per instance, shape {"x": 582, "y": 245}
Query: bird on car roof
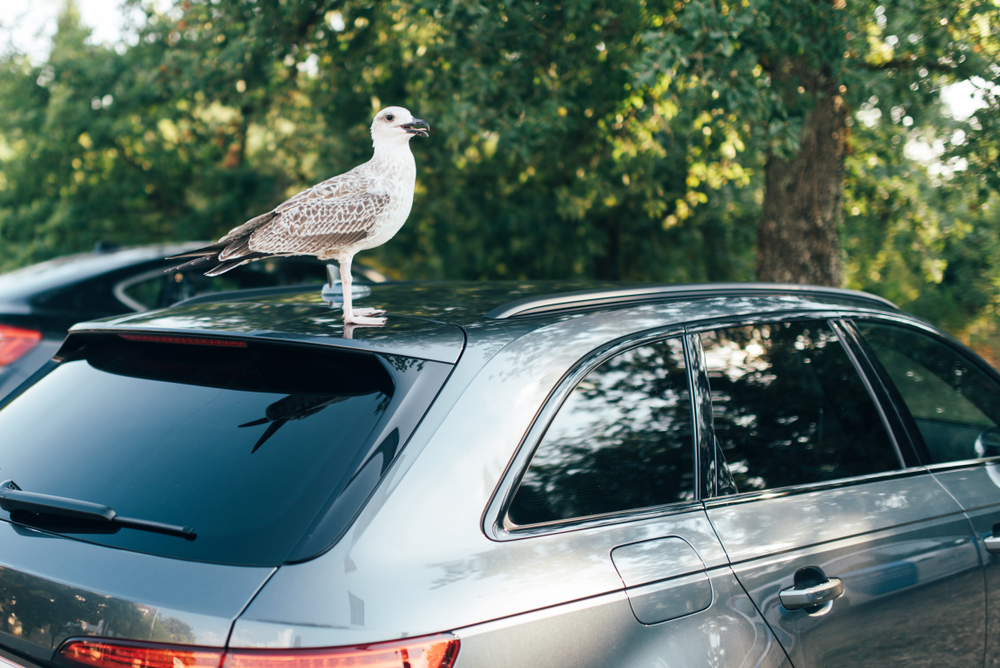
{"x": 335, "y": 219}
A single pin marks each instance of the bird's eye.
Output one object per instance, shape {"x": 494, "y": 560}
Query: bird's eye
{"x": 389, "y": 117}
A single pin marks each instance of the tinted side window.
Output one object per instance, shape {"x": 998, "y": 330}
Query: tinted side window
{"x": 955, "y": 405}
{"x": 622, "y": 440}
{"x": 789, "y": 407}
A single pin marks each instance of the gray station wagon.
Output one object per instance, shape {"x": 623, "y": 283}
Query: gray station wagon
{"x": 504, "y": 475}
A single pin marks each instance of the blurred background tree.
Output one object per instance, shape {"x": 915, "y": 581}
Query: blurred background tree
{"x": 635, "y": 140}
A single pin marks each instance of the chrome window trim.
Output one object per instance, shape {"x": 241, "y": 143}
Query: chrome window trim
{"x": 594, "y": 521}
{"x": 120, "y": 287}
{"x": 495, "y": 524}
{"x": 793, "y": 490}
{"x": 963, "y": 464}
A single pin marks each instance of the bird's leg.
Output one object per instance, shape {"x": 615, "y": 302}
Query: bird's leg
{"x": 331, "y": 276}
{"x": 359, "y": 317}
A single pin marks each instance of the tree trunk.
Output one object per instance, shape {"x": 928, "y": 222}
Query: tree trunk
{"x": 797, "y": 237}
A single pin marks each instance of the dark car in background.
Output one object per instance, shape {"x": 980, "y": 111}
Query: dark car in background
{"x": 38, "y": 304}
{"x": 505, "y": 475}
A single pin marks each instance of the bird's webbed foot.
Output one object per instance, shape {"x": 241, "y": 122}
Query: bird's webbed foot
{"x": 364, "y": 312}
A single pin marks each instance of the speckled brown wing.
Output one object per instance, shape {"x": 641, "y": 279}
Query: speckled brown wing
{"x": 319, "y": 225}
{"x": 340, "y": 186}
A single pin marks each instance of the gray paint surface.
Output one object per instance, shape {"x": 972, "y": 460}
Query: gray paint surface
{"x": 904, "y": 551}
{"x": 53, "y": 588}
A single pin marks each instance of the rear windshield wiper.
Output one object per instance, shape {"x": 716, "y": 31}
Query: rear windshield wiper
{"x": 15, "y": 500}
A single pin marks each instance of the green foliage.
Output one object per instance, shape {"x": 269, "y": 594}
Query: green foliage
{"x": 613, "y": 139}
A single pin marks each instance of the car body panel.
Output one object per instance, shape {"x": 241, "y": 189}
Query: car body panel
{"x": 463, "y": 450}
{"x": 898, "y": 544}
{"x": 977, "y": 490}
{"x": 601, "y": 631}
{"x": 430, "y": 552}
{"x": 55, "y": 588}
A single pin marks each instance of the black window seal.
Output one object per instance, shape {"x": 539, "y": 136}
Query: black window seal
{"x": 495, "y": 524}
{"x": 848, "y": 339}
{"x": 706, "y": 455}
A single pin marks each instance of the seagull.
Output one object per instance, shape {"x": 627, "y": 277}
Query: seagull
{"x": 335, "y": 219}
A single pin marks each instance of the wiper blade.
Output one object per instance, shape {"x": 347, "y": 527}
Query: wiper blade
{"x": 16, "y": 500}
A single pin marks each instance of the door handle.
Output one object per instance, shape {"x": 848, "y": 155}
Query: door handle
{"x": 816, "y": 595}
{"x": 992, "y": 542}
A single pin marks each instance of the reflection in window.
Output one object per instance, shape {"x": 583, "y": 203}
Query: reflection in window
{"x": 955, "y": 405}
{"x": 789, "y": 407}
{"x": 622, "y": 440}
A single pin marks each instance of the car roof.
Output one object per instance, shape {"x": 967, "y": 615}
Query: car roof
{"x": 437, "y": 320}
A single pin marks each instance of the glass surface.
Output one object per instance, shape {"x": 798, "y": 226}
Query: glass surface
{"x": 244, "y": 445}
{"x": 955, "y": 405}
{"x": 162, "y": 290}
{"x": 622, "y": 440}
{"x": 789, "y": 407}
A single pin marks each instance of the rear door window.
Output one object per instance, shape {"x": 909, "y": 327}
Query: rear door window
{"x": 622, "y": 440}
{"x": 251, "y": 445}
{"x": 954, "y": 403}
{"x": 789, "y": 407}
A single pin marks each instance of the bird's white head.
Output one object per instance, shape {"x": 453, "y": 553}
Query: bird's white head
{"x": 395, "y": 126}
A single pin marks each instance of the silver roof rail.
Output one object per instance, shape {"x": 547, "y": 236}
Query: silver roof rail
{"x": 587, "y": 299}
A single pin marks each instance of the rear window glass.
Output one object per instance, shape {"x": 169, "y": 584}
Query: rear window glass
{"x": 252, "y": 447}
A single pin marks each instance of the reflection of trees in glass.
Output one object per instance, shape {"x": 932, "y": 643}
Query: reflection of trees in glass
{"x": 789, "y": 407}
{"x": 955, "y": 405}
{"x": 621, "y": 440}
{"x": 403, "y": 363}
{"x": 935, "y": 381}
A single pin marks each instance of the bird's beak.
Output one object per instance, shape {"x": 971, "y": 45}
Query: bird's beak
{"x": 417, "y": 127}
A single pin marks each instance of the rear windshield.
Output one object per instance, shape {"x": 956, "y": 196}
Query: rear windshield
{"x": 266, "y": 451}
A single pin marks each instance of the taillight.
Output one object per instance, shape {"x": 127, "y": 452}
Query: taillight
{"x": 123, "y": 654}
{"x": 437, "y": 651}
{"x": 15, "y": 342}
{"x": 427, "y": 652}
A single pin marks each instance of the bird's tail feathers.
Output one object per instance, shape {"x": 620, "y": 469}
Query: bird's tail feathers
{"x": 247, "y": 227}
{"x": 224, "y": 267}
{"x": 192, "y": 264}
{"x": 232, "y": 264}
{"x": 240, "y": 247}
{"x": 211, "y": 249}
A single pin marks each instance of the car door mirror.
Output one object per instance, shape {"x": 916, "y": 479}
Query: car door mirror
{"x": 988, "y": 443}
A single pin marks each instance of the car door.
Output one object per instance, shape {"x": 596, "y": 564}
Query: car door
{"x": 949, "y": 401}
{"x": 617, "y": 469}
{"x": 854, "y": 555}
